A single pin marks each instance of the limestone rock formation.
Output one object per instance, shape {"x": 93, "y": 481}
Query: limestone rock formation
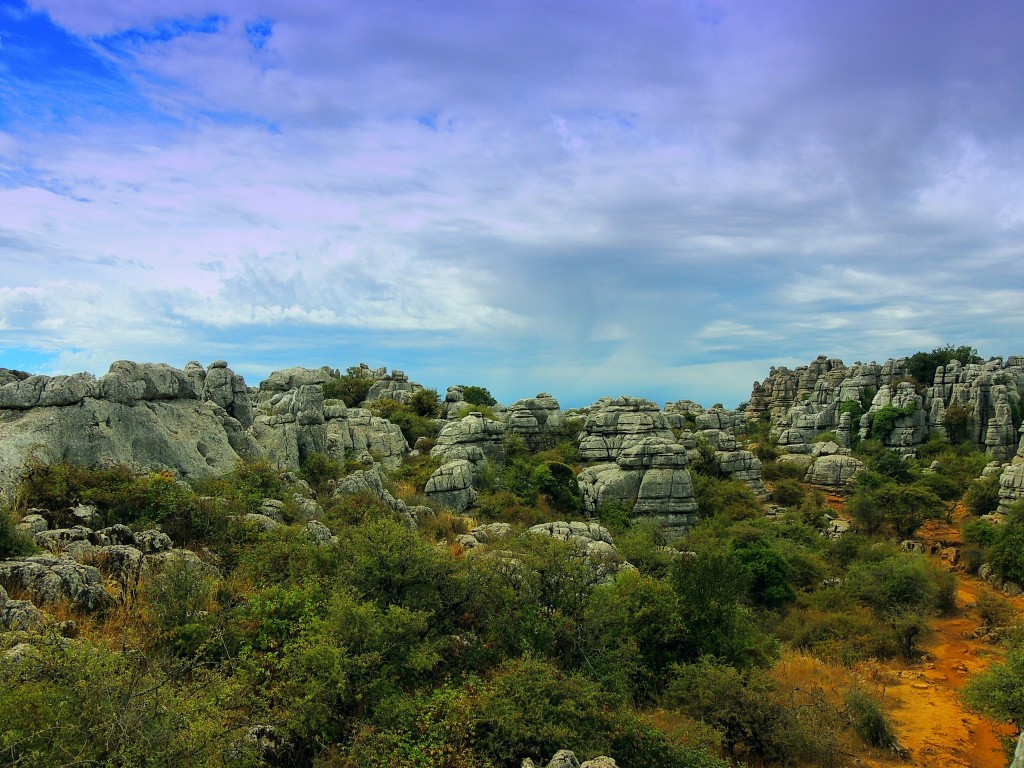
{"x": 358, "y": 431}
{"x": 968, "y": 403}
{"x": 452, "y": 485}
{"x": 50, "y": 579}
{"x": 533, "y": 418}
{"x": 834, "y": 471}
{"x": 19, "y": 614}
{"x": 142, "y": 414}
{"x": 290, "y": 424}
{"x": 394, "y": 386}
{"x": 472, "y": 438}
{"x": 615, "y": 425}
{"x": 651, "y": 476}
{"x": 293, "y": 378}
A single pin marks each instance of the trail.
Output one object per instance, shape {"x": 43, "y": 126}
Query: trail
{"x": 932, "y": 722}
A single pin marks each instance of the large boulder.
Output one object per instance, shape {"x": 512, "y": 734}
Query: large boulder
{"x": 50, "y": 579}
{"x": 651, "y": 477}
{"x": 472, "y": 438}
{"x": 452, "y": 485}
{"x": 533, "y": 418}
{"x": 621, "y": 423}
{"x": 835, "y": 471}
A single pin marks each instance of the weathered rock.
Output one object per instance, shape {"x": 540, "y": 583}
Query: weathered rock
{"x": 144, "y": 415}
{"x": 370, "y": 481}
{"x": 534, "y": 418}
{"x": 50, "y": 579}
{"x": 292, "y": 378}
{"x": 651, "y": 476}
{"x": 290, "y": 425}
{"x": 833, "y": 471}
{"x": 452, "y": 485}
{"x": 356, "y": 430}
{"x": 19, "y": 614}
{"x": 394, "y": 386}
{"x": 472, "y": 438}
{"x": 33, "y": 524}
{"x": 319, "y": 532}
{"x": 1011, "y": 486}
{"x": 261, "y": 521}
{"x": 620, "y": 424}
{"x": 153, "y": 540}
{"x": 967, "y": 403}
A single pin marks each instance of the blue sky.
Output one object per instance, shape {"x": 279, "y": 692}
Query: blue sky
{"x": 586, "y": 198}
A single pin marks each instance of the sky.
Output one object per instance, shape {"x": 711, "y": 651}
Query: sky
{"x": 661, "y": 198}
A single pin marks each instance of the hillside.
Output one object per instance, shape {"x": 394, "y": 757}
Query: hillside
{"x": 349, "y": 569}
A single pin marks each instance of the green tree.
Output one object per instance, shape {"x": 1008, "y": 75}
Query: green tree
{"x": 477, "y": 395}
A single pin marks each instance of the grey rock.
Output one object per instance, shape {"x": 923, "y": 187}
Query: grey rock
{"x": 534, "y": 418}
{"x": 50, "y": 579}
{"x": 1011, "y": 486}
{"x": 19, "y": 615}
{"x": 33, "y": 524}
{"x": 452, "y": 485}
{"x": 618, "y": 424}
{"x": 833, "y": 471}
{"x": 472, "y": 438}
{"x": 293, "y": 378}
{"x": 564, "y": 759}
{"x": 371, "y": 481}
{"x": 650, "y": 475}
{"x": 262, "y": 521}
{"x": 152, "y": 541}
{"x": 602, "y": 761}
{"x": 319, "y": 532}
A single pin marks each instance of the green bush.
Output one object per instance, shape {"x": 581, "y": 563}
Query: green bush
{"x": 788, "y": 493}
{"x": 869, "y": 719}
{"x": 352, "y": 388}
{"x": 477, "y": 395}
{"x": 998, "y": 691}
{"x": 922, "y": 365}
{"x": 782, "y": 470}
{"x": 425, "y": 402}
{"x": 615, "y": 515}
{"x": 982, "y": 495}
{"x": 883, "y": 421}
{"x": 730, "y": 498}
{"x": 13, "y": 543}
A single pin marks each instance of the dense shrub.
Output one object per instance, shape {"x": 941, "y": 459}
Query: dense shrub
{"x": 13, "y": 542}
{"x": 982, "y": 495}
{"x": 999, "y": 690}
{"x": 351, "y": 388}
{"x": 477, "y": 395}
{"x": 922, "y": 365}
{"x": 788, "y": 493}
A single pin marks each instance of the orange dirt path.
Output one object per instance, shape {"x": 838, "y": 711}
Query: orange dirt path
{"x": 930, "y": 719}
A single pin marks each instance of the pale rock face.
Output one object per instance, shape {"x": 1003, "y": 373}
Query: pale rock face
{"x": 1011, "y": 486}
{"x": 290, "y": 425}
{"x": 532, "y": 417}
{"x": 359, "y": 431}
{"x": 653, "y": 473}
{"x": 394, "y": 386}
{"x": 147, "y": 415}
{"x": 472, "y": 438}
{"x": 619, "y": 424}
{"x": 293, "y": 378}
{"x": 452, "y": 485}
{"x": 807, "y": 401}
{"x": 834, "y": 471}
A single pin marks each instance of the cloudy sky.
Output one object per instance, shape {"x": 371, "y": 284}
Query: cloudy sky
{"x": 587, "y": 198}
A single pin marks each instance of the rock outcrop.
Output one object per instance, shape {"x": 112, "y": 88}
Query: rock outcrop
{"x": 472, "y": 438}
{"x": 142, "y": 414}
{"x": 452, "y": 485}
{"x": 534, "y": 418}
{"x": 651, "y": 477}
{"x": 615, "y": 425}
{"x": 972, "y": 403}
